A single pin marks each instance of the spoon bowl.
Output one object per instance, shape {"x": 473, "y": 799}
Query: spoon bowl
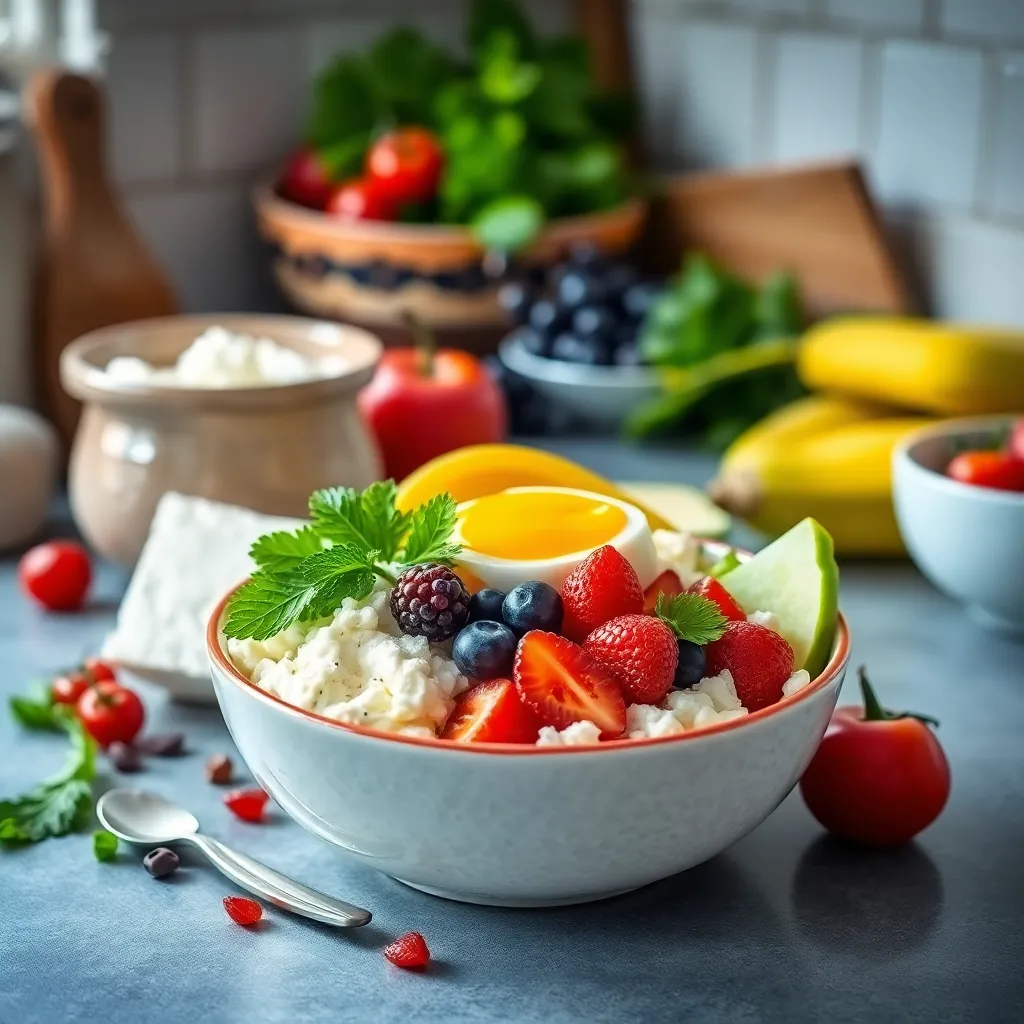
{"x": 139, "y": 817}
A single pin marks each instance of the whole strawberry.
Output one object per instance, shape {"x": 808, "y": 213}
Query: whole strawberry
{"x": 603, "y": 586}
{"x": 640, "y": 651}
{"x": 759, "y": 659}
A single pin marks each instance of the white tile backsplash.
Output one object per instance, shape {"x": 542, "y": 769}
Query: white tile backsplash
{"x": 902, "y": 14}
{"x": 823, "y": 120}
{"x": 656, "y": 59}
{"x": 144, "y": 115}
{"x": 715, "y": 81}
{"x": 999, "y": 20}
{"x": 1006, "y": 179}
{"x": 250, "y": 96}
{"x": 928, "y": 143}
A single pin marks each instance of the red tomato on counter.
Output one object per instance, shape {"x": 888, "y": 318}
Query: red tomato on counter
{"x": 56, "y": 574}
{"x": 406, "y": 163}
{"x": 111, "y": 712}
{"x": 878, "y": 778}
{"x": 419, "y": 407}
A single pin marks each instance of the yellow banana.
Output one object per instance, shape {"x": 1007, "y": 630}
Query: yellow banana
{"x": 949, "y": 369}
{"x": 820, "y": 457}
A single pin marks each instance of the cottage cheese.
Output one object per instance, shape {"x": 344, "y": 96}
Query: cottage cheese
{"x": 767, "y": 619}
{"x": 575, "y": 735}
{"x": 679, "y": 552}
{"x": 357, "y": 668}
{"x": 220, "y": 358}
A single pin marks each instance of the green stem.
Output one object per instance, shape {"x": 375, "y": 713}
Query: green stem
{"x": 424, "y": 339}
{"x": 385, "y": 574}
{"x": 873, "y": 710}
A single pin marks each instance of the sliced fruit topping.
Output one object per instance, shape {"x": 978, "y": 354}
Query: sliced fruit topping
{"x": 603, "y": 586}
{"x": 709, "y": 587}
{"x": 563, "y": 684}
{"x": 243, "y": 910}
{"x": 410, "y": 952}
{"x": 797, "y": 578}
{"x": 492, "y": 712}
{"x": 759, "y": 659}
{"x": 640, "y": 651}
{"x": 668, "y": 583}
{"x": 247, "y": 804}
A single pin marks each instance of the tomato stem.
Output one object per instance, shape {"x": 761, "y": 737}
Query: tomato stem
{"x": 424, "y": 339}
{"x": 873, "y": 710}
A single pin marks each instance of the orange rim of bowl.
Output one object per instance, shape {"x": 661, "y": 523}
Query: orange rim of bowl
{"x": 216, "y": 648}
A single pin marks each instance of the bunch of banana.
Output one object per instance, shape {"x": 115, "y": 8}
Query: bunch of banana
{"x": 829, "y": 456}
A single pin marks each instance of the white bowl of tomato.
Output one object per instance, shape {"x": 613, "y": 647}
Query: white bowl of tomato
{"x": 958, "y": 490}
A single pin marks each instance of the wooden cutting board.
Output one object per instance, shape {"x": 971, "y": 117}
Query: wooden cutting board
{"x": 94, "y": 269}
{"x": 817, "y": 221}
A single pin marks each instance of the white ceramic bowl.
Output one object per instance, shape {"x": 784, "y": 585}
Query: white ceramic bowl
{"x": 600, "y": 396}
{"x": 525, "y": 826}
{"x": 969, "y": 541}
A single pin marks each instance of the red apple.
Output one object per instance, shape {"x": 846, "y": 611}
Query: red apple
{"x": 305, "y": 179}
{"x": 421, "y": 404}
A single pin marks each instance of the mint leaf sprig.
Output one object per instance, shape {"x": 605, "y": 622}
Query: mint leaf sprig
{"x": 692, "y": 617}
{"x": 353, "y": 538}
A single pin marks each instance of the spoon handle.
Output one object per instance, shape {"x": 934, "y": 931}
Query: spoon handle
{"x": 279, "y": 889}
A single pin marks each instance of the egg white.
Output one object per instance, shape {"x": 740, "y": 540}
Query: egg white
{"x": 634, "y": 542}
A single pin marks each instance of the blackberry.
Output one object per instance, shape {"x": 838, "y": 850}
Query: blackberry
{"x": 430, "y": 600}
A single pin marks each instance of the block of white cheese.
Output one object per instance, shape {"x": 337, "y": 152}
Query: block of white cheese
{"x": 28, "y": 470}
{"x": 195, "y": 552}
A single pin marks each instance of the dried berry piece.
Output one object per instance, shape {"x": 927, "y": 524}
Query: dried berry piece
{"x": 247, "y": 804}
{"x": 162, "y": 744}
{"x": 161, "y": 862}
{"x": 124, "y": 757}
{"x": 219, "y": 769}
{"x": 410, "y": 952}
{"x": 243, "y": 911}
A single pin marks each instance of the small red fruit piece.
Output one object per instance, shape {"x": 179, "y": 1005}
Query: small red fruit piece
{"x": 410, "y": 952}
{"x": 709, "y": 587}
{"x": 111, "y": 712}
{"x": 640, "y": 651}
{"x": 1017, "y": 440}
{"x": 759, "y": 659}
{"x": 668, "y": 583}
{"x": 360, "y": 199}
{"x": 406, "y": 164}
{"x": 998, "y": 470}
{"x": 56, "y": 575}
{"x": 67, "y": 689}
{"x": 305, "y": 179}
{"x": 243, "y": 910}
{"x": 247, "y": 804}
{"x": 563, "y": 684}
{"x": 492, "y": 712}
{"x": 603, "y": 586}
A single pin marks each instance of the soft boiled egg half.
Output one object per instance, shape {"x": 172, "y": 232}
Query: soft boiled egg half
{"x": 543, "y": 533}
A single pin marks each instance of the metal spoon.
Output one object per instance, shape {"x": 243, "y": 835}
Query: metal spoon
{"x": 150, "y": 820}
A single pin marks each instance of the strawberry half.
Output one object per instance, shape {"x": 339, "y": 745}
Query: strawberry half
{"x": 709, "y": 587}
{"x": 492, "y": 712}
{"x": 603, "y": 586}
{"x": 759, "y": 659}
{"x": 668, "y": 583}
{"x": 640, "y": 651}
{"x": 410, "y": 952}
{"x": 563, "y": 684}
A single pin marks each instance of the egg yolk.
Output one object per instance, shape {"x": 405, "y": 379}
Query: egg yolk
{"x": 537, "y": 525}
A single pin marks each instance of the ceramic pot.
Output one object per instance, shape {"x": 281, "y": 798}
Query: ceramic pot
{"x": 372, "y": 271}
{"x": 264, "y": 448}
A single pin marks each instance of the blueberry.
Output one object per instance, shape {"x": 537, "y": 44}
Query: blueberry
{"x": 577, "y": 288}
{"x": 593, "y": 322}
{"x": 638, "y": 299}
{"x": 545, "y": 318}
{"x": 534, "y": 342}
{"x": 585, "y": 255}
{"x": 617, "y": 279}
{"x": 484, "y": 650}
{"x": 691, "y": 667}
{"x": 571, "y": 349}
{"x": 515, "y": 299}
{"x": 627, "y": 355}
{"x": 486, "y": 604}
{"x": 532, "y": 605}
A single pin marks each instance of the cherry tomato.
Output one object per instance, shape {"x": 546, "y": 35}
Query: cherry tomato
{"x": 1017, "y": 440}
{"x": 111, "y": 712}
{"x": 877, "y": 778}
{"x": 999, "y": 470}
{"x": 56, "y": 574}
{"x": 407, "y": 164}
{"x": 68, "y": 688}
{"x": 305, "y": 179}
{"x": 361, "y": 199}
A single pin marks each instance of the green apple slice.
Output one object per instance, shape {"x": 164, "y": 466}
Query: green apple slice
{"x": 797, "y": 578}
{"x": 686, "y": 508}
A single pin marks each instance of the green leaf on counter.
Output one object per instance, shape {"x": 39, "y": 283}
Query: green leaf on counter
{"x": 104, "y": 846}
{"x": 39, "y": 710}
{"x": 508, "y": 224}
